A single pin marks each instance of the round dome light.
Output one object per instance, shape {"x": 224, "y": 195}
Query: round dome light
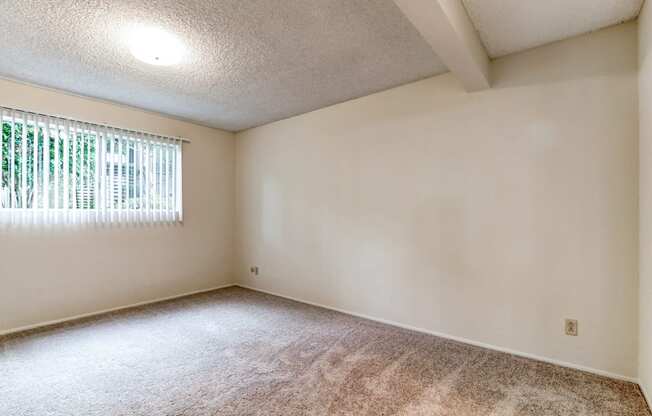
{"x": 156, "y": 46}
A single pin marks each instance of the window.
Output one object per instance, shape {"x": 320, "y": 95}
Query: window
{"x": 59, "y": 171}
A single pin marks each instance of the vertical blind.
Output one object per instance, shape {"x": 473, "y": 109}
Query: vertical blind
{"x": 61, "y": 171}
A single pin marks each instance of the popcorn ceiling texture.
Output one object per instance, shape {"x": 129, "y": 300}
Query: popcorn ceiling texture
{"x": 249, "y": 62}
{"x": 508, "y": 26}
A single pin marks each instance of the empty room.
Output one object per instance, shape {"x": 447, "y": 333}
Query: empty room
{"x": 325, "y": 207}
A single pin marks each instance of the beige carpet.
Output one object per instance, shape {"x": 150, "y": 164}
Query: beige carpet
{"x": 238, "y": 352}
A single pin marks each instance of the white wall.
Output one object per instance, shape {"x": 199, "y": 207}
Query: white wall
{"x": 645, "y": 204}
{"x": 490, "y": 216}
{"x": 83, "y": 271}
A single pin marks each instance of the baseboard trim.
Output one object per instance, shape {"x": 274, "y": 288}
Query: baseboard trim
{"x": 104, "y": 311}
{"x": 646, "y": 396}
{"x": 359, "y": 315}
{"x": 455, "y": 338}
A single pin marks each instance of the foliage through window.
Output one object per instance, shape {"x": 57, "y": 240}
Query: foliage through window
{"x": 64, "y": 171}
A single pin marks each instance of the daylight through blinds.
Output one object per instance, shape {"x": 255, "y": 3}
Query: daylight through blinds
{"x": 60, "y": 171}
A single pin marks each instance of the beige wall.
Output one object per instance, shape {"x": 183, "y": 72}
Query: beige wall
{"x": 83, "y": 271}
{"x": 645, "y": 207}
{"x": 489, "y": 216}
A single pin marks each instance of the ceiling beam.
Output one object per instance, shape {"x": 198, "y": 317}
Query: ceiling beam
{"x": 446, "y": 26}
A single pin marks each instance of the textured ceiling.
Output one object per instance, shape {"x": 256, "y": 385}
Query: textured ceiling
{"x": 248, "y": 63}
{"x": 508, "y": 26}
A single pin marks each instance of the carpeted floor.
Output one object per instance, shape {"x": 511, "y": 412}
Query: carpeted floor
{"x": 238, "y": 352}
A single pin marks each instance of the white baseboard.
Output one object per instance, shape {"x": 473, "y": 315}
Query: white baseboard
{"x": 371, "y": 318}
{"x": 455, "y": 338}
{"x": 646, "y": 395}
{"x": 103, "y": 311}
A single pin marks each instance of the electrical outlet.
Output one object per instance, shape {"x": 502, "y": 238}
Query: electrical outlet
{"x": 253, "y": 270}
{"x": 571, "y": 327}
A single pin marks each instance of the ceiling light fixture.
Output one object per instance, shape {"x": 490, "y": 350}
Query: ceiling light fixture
{"x": 156, "y": 46}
